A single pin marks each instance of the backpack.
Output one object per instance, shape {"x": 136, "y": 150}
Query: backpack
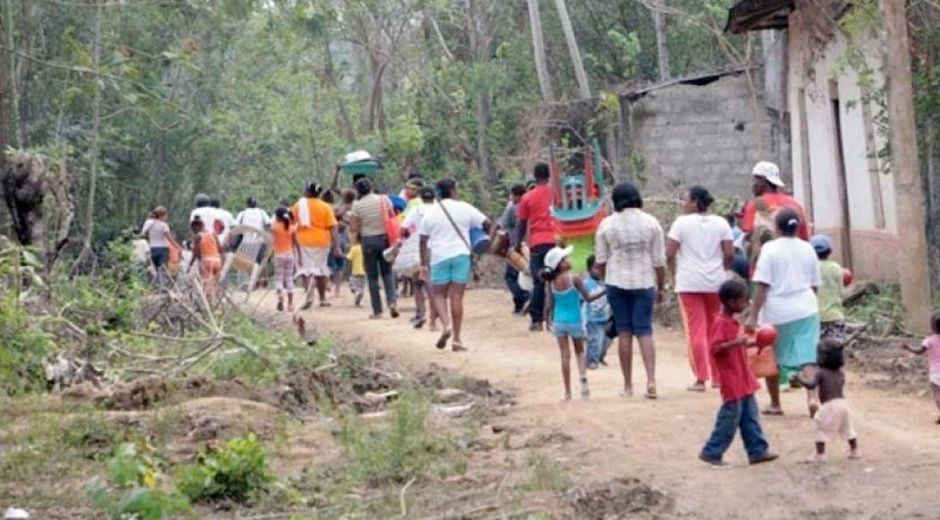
{"x": 764, "y": 228}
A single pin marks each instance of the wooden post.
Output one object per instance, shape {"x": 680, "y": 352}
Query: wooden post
{"x": 909, "y": 196}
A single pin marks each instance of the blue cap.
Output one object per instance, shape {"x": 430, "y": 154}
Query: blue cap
{"x": 821, "y": 243}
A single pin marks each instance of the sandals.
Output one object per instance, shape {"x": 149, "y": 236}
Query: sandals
{"x": 393, "y": 310}
{"x": 457, "y": 347}
{"x": 626, "y": 393}
{"x": 418, "y": 323}
{"x": 442, "y": 341}
{"x": 280, "y": 306}
{"x": 306, "y": 306}
{"x": 770, "y": 410}
{"x": 585, "y": 391}
{"x": 650, "y": 392}
{"x": 697, "y": 387}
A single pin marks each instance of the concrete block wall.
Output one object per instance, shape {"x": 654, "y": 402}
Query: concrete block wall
{"x": 687, "y": 134}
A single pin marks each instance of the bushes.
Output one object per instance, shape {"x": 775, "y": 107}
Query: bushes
{"x": 24, "y": 348}
{"x": 137, "y": 488}
{"x": 402, "y": 449}
{"x": 238, "y": 471}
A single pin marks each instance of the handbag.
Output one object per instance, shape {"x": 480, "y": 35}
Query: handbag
{"x": 473, "y": 263}
{"x": 763, "y": 361}
{"x": 392, "y": 226}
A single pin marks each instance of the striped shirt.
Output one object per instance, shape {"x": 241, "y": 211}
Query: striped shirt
{"x": 631, "y": 243}
{"x": 368, "y": 210}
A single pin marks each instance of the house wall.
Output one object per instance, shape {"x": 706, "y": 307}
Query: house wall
{"x": 686, "y": 134}
{"x": 815, "y": 79}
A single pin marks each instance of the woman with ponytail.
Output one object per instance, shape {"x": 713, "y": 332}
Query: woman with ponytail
{"x": 699, "y": 248}
{"x": 787, "y": 275}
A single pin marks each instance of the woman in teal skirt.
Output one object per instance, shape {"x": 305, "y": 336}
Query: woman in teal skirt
{"x": 787, "y": 275}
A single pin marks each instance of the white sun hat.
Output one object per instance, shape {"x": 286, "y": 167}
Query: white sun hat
{"x": 556, "y": 255}
{"x": 769, "y": 171}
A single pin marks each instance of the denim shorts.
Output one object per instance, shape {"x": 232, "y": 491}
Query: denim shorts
{"x": 633, "y": 309}
{"x": 452, "y": 270}
{"x": 575, "y": 330}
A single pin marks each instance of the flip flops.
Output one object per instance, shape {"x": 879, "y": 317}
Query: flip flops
{"x": 442, "y": 341}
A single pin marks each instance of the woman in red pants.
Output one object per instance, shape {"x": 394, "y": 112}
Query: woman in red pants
{"x": 699, "y": 248}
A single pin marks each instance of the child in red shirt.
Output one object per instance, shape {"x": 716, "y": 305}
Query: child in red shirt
{"x": 738, "y": 384}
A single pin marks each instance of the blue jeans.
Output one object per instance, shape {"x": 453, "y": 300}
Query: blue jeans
{"x": 744, "y": 415}
{"x": 519, "y": 296}
{"x": 597, "y": 341}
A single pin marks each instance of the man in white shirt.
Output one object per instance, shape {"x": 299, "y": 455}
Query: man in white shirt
{"x": 445, "y": 232}
{"x": 255, "y": 217}
{"x": 225, "y": 217}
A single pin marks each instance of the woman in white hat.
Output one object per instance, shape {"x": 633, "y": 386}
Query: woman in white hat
{"x": 566, "y": 321}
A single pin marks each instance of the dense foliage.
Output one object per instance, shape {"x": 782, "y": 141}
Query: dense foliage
{"x": 240, "y": 97}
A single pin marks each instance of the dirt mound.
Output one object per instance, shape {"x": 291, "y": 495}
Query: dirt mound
{"x": 148, "y": 392}
{"x": 620, "y": 498}
{"x": 436, "y": 377}
{"x": 886, "y": 366}
{"x": 341, "y": 383}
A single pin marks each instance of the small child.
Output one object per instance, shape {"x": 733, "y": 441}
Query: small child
{"x": 833, "y": 417}
{"x": 931, "y": 346}
{"x": 208, "y": 251}
{"x": 357, "y": 271}
{"x": 284, "y": 230}
{"x": 596, "y": 314}
{"x": 564, "y": 313}
{"x": 829, "y": 294}
{"x": 738, "y": 384}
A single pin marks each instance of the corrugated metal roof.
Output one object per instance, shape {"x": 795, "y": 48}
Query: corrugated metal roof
{"x": 757, "y": 15}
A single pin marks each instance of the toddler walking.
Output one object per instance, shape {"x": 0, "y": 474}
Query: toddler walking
{"x": 931, "y": 346}
{"x": 357, "y": 271}
{"x": 564, "y": 314}
{"x": 738, "y": 384}
{"x": 832, "y": 419}
{"x": 596, "y": 314}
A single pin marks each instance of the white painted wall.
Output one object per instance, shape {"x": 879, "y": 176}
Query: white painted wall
{"x": 814, "y": 85}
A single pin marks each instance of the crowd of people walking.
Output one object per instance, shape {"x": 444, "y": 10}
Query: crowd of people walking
{"x": 729, "y": 282}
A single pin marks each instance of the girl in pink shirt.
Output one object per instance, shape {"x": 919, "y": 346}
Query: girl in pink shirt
{"x": 931, "y": 346}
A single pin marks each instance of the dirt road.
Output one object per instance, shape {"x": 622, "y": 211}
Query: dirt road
{"x": 658, "y": 441}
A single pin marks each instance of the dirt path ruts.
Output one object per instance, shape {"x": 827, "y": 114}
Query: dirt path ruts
{"x": 657, "y": 441}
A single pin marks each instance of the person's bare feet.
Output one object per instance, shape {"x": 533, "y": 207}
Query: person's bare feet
{"x": 816, "y": 458}
{"x": 290, "y": 307}
{"x": 567, "y": 396}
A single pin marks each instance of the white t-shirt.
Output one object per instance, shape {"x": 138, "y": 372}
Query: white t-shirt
{"x": 443, "y": 240}
{"x": 700, "y": 263}
{"x": 256, "y": 218}
{"x": 157, "y": 232}
{"x": 790, "y": 267}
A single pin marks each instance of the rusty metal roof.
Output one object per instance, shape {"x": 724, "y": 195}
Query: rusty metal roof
{"x": 757, "y": 15}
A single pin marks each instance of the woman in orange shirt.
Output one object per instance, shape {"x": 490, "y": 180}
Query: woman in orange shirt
{"x": 208, "y": 251}
{"x": 284, "y": 230}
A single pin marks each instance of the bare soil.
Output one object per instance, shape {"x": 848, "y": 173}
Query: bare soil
{"x": 636, "y": 458}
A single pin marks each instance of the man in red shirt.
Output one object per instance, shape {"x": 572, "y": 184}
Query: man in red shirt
{"x": 738, "y": 384}
{"x": 535, "y": 217}
{"x": 766, "y": 188}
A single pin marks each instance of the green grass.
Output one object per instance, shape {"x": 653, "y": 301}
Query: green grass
{"x": 546, "y": 474}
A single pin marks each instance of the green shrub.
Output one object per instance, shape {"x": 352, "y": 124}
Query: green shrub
{"x": 136, "y": 488}
{"x": 238, "y": 471}
{"x": 396, "y": 451}
{"x": 24, "y": 348}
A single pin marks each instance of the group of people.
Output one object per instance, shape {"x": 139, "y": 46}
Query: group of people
{"x": 787, "y": 281}
{"x": 729, "y": 281}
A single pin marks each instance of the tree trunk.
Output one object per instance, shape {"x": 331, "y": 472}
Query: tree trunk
{"x": 662, "y": 50}
{"x": 566, "y": 27}
{"x": 4, "y": 101}
{"x": 329, "y": 74}
{"x": 538, "y": 45}
{"x": 909, "y": 203}
{"x": 13, "y": 82}
{"x": 480, "y": 42}
{"x": 94, "y": 152}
